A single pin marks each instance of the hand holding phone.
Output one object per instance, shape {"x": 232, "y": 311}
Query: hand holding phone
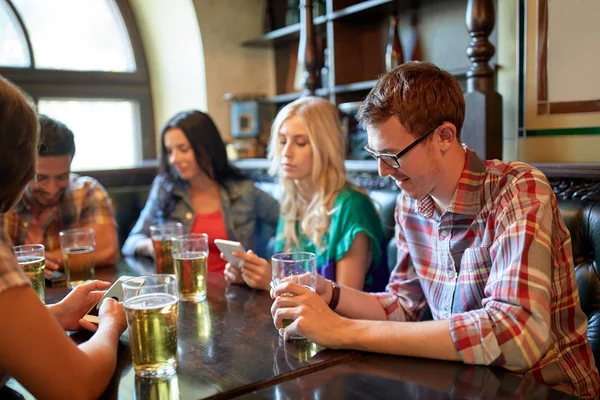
{"x": 227, "y": 247}
{"x": 115, "y": 292}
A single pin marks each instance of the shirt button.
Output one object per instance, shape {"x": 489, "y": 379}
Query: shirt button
{"x": 444, "y": 233}
{"x": 25, "y": 224}
{"x": 188, "y": 216}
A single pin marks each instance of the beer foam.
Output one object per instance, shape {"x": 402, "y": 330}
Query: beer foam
{"x": 24, "y": 260}
{"x": 150, "y": 301}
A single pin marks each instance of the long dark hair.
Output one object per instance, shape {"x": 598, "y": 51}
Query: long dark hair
{"x": 209, "y": 149}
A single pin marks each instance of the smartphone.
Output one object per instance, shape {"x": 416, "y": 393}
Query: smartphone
{"x": 115, "y": 292}
{"x": 227, "y": 247}
{"x": 56, "y": 279}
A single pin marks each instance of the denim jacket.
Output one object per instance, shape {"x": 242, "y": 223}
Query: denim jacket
{"x": 250, "y": 214}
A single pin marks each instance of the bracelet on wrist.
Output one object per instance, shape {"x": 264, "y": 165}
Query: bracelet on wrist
{"x": 335, "y": 295}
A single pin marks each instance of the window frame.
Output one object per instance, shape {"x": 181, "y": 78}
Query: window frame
{"x": 66, "y": 84}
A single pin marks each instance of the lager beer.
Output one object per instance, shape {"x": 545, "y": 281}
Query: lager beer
{"x": 79, "y": 265}
{"x": 297, "y": 267}
{"x": 190, "y": 269}
{"x": 152, "y": 321}
{"x": 161, "y": 235}
{"x": 164, "y": 258}
{"x": 33, "y": 267}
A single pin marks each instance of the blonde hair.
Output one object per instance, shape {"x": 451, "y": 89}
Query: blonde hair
{"x": 321, "y": 123}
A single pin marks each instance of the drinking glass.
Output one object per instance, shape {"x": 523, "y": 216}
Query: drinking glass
{"x": 161, "y": 236}
{"x": 299, "y": 267}
{"x": 151, "y": 307}
{"x": 190, "y": 255}
{"x": 77, "y": 247}
{"x": 32, "y": 260}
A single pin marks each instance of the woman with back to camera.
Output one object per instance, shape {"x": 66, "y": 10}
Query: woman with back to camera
{"x": 321, "y": 212}
{"x": 34, "y": 348}
{"x": 198, "y": 187}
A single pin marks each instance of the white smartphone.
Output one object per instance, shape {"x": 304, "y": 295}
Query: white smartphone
{"x": 227, "y": 247}
{"x": 115, "y": 291}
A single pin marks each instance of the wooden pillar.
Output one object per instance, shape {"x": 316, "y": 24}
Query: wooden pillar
{"x": 307, "y": 49}
{"x": 482, "y": 130}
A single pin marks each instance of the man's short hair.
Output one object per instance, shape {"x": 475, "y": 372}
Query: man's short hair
{"x": 420, "y": 94}
{"x": 56, "y": 139}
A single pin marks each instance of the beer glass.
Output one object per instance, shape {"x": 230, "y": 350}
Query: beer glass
{"x": 166, "y": 388}
{"x": 161, "y": 236}
{"x": 298, "y": 267}
{"x": 151, "y": 307}
{"x": 77, "y": 246}
{"x": 190, "y": 255}
{"x": 32, "y": 260}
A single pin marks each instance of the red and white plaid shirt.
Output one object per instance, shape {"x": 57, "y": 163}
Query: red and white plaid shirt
{"x": 498, "y": 265}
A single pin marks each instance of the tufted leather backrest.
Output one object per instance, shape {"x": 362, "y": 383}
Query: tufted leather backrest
{"x": 582, "y": 218}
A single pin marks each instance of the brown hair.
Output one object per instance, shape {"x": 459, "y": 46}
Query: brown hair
{"x": 420, "y": 94}
{"x": 19, "y": 136}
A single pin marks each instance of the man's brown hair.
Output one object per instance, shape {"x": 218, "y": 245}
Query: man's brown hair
{"x": 19, "y": 136}
{"x": 420, "y": 94}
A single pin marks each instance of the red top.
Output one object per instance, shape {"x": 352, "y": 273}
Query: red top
{"x": 213, "y": 225}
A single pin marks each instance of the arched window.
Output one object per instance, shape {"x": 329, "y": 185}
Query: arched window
{"x": 83, "y": 63}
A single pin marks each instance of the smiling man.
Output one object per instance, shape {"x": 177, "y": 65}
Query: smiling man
{"x": 59, "y": 200}
{"x": 481, "y": 242}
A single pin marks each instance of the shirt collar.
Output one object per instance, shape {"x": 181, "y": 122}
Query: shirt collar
{"x": 467, "y": 196}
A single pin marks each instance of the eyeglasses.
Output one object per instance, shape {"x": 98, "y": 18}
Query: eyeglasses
{"x": 393, "y": 160}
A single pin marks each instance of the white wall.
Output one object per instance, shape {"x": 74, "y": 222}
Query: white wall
{"x": 173, "y": 47}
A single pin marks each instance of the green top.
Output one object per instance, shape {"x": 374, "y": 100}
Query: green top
{"x": 353, "y": 212}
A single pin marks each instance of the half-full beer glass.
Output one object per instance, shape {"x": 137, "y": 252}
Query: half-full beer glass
{"x": 190, "y": 254}
{"x": 77, "y": 247}
{"x": 161, "y": 236}
{"x": 298, "y": 267}
{"x": 151, "y": 307}
{"x": 32, "y": 260}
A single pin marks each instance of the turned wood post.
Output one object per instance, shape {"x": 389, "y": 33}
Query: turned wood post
{"x": 307, "y": 49}
{"x": 482, "y": 130}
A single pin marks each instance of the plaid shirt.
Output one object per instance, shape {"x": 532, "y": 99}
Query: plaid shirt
{"x": 498, "y": 265}
{"x": 10, "y": 275}
{"x": 84, "y": 203}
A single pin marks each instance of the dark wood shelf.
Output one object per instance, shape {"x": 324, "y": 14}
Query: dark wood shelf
{"x": 289, "y": 97}
{"x": 354, "y": 87}
{"x": 281, "y": 35}
{"x": 368, "y": 85}
{"x": 370, "y": 10}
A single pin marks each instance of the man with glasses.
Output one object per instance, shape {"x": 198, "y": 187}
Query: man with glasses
{"x": 481, "y": 242}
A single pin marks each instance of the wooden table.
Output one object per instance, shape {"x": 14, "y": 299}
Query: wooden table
{"x": 228, "y": 347}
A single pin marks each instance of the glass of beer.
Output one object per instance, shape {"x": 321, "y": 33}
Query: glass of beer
{"x": 32, "y": 260}
{"x": 161, "y": 236}
{"x": 190, "y": 254}
{"x": 77, "y": 247}
{"x": 151, "y": 307}
{"x": 299, "y": 267}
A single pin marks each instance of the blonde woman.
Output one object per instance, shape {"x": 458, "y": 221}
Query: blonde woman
{"x": 321, "y": 211}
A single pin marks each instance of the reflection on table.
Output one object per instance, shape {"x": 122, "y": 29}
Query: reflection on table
{"x": 228, "y": 347}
